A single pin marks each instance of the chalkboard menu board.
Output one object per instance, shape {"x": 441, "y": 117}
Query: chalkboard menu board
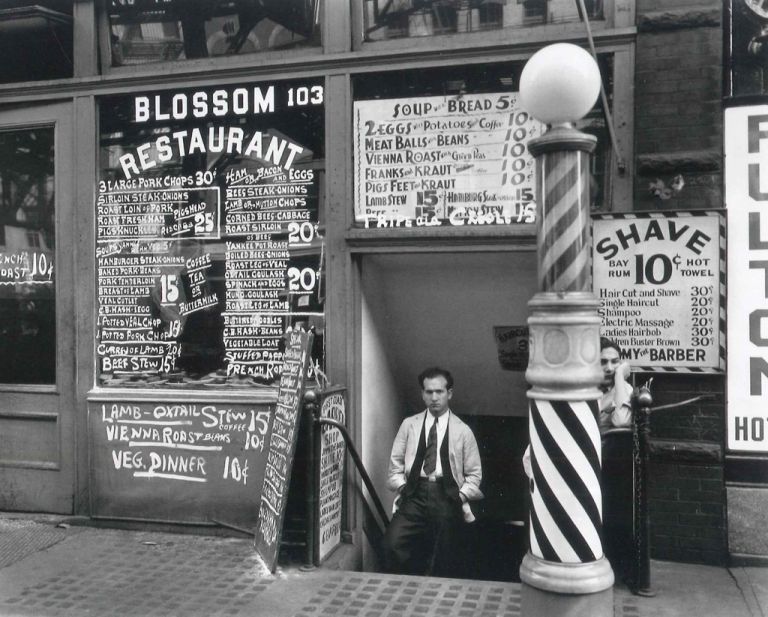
{"x": 282, "y": 445}
{"x": 178, "y": 461}
{"x": 209, "y": 233}
{"x": 331, "y": 473}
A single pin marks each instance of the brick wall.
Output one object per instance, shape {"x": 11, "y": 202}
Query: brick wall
{"x": 686, "y": 489}
{"x": 678, "y": 115}
{"x": 678, "y": 165}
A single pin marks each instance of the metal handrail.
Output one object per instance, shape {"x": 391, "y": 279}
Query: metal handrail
{"x": 360, "y": 466}
{"x": 642, "y": 437}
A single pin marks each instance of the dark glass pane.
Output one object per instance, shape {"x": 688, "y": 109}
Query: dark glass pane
{"x": 209, "y": 222}
{"x": 27, "y": 268}
{"x": 144, "y": 31}
{"x": 748, "y": 48}
{"x": 416, "y": 18}
{"x": 35, "y": 40}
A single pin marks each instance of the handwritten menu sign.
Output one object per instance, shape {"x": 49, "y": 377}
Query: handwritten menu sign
{"x": 178, "y": 461}
{"x": 208, "y": 245}
{"x": 331, "y": 473}
{"x": 282, "y": 445}
{"x": 26, "y": 267}
{"x": 443, "y": 160}
{"x": 658, "y": 276}
{"x": 258, "y": 264}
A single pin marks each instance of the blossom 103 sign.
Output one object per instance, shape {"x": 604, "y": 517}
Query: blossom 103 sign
{"x": 444, "y": 160}
{"x": 660, "y": 280}
{"x": 746, "y": 198}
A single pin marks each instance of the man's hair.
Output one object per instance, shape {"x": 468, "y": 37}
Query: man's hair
{"x": 436, "y": 371}
{"x": 606, "y": 343}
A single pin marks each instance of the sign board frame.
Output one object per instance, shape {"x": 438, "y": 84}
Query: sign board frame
{"x": 332, "y": 454}
{"x": 181, "y": 460}
{"x": 666, "y": 309}
{"x": 284, "y": 435}
{"x": 451, "y": 160}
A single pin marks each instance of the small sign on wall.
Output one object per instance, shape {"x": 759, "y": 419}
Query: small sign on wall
{"x": 512, "y": 347}
{"x": 660, "y": 280}
{"x": 331, "y": 473}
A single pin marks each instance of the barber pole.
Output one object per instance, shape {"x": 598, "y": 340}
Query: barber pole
{"x": 564, "y": 372}
{"x": 565, "y": 572}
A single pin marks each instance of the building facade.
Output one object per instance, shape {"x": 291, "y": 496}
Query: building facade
{"x": 185, "y": 180}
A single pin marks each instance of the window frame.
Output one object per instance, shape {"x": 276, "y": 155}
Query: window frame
{"x": 329, "y": 11}
{"x": 617, "y": 14}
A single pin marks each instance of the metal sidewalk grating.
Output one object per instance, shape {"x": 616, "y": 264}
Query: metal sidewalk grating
{"x": 20, "y": 543}
{"x": 375, "y": 595}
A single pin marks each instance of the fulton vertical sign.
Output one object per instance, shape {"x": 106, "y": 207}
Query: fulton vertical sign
{"x": 746, "y": 195}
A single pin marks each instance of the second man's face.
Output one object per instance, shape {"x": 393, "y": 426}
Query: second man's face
{"x": 609, "y": 362}
{"x": 436, "y": 395}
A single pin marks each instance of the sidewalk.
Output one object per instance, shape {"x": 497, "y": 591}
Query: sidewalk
{"x": 48, "y": 570}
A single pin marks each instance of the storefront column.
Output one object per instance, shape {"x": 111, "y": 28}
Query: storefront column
{"x": 565, "y": 571}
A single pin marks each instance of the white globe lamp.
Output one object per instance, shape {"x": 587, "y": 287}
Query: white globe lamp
{"x": 559, "y": 84}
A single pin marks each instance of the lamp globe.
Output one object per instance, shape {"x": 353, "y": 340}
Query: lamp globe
{"x": 559, "y": 84}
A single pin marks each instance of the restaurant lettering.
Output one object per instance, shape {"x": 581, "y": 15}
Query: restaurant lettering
{"x": 207, "y": 227}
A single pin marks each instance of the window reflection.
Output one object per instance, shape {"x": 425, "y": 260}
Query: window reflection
{"x": 144, "y": 31}
{"x": 35, "y": 40}
{"x": 749, "y": 51}
{"x": 388, "y": 19}
{"x": 27, "y": 272}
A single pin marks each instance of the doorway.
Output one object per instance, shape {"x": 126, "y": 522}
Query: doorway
{"x": 37, "y": 354}
{"x": 450, "y": 310}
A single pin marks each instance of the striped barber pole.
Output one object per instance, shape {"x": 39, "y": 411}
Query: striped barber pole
{"x": 566, "y": 497}
{"x": 566, "y": 502}
{"x": 564, "y": 248}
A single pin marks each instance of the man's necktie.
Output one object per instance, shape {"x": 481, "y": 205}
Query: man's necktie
{"x": 430, "y": 456}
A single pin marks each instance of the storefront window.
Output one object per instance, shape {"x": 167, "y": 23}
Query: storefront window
{"x": 448, "y": 147}
{"x": 209, "y": 233}
{"x": 748, "y": 49}
{"x": 144, "y": 31}
{"x": 35, "y": 40}
{"x": 27, "y": 261}
{"x": 389, "y": 19}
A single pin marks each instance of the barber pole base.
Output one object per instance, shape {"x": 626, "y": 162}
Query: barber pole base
{"x": 565, "y": 572}
{"x": 539, "y": 601}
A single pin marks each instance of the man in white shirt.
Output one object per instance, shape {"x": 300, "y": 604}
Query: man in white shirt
{"x": 436, "y": 471}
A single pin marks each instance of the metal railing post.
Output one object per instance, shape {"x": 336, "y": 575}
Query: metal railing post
{"x": 310, "y": 410}
{"x": 642, "y": 582}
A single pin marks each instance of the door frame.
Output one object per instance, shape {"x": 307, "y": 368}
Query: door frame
{"x": 47, "y": 483}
